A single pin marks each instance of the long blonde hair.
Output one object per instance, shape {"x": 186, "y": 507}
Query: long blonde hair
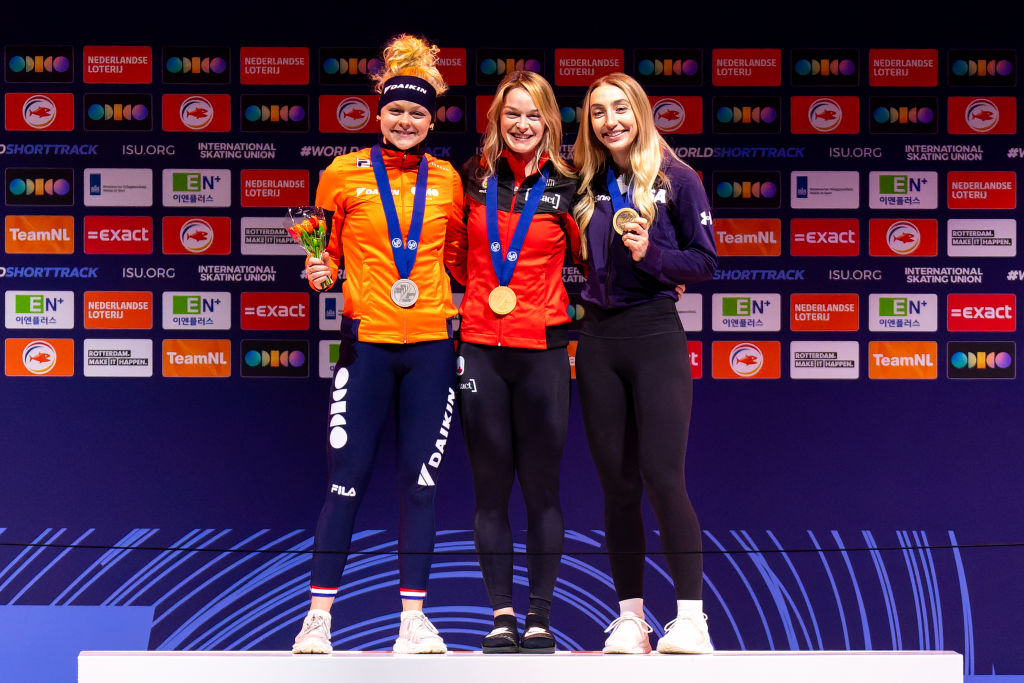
{"x": 407, "y": 55}
{"x": 646, "y": 155}
{"x": 543, "y": 97}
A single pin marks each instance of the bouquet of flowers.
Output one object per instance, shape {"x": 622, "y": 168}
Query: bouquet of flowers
{"x": 307, "y": 226}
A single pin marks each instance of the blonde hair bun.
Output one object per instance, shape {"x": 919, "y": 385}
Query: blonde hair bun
{"x": 408, "y": 55}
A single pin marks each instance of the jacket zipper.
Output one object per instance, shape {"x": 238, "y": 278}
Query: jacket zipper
{"x": 511, "y": 215}
{"x": 401, "y": 191}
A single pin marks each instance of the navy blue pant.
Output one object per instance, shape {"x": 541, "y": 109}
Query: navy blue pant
{"x": 368, "y": 376}
{"x": 514, "y": 407}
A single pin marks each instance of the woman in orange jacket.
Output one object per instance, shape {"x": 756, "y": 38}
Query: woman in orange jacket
{"x": 393, "y": 205}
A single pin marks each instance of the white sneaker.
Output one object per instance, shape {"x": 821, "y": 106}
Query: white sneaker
{"x": 417, "y": 636}
{"x": 686, "y": 635}
{"x": 628, "y": 636}
{"x": 315, "y": 636}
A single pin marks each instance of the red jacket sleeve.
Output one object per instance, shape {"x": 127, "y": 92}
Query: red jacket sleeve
{"x": 456, "y": 247}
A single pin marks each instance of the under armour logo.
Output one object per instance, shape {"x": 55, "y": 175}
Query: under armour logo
{"x": 705, "y": 218}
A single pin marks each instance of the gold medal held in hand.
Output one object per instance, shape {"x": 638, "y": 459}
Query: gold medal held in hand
{"x": 623, "y": 216}
{"x": 502, "y": 300}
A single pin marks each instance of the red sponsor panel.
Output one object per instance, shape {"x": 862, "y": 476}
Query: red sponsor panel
{"x": 118, "y": 234}
{"x": 190, "y": 113}
{"x": 982, "y": 115}
{"x": 903, "y": 68}
{"x": 117, "y": 310}
{"x": 746, "y": 360}
{"x": 824, "y": 312}
{"x": 982, "y": 189}
{"x": 39, "y": 111}
{"x": 824, "y": 237}
{"x": 275, "y": 311}
{"x": 981, "y": 312}
{"x": 838, "y": 115}
{"x": 451, "y": 62}
{"x": 483, "y": 103}
{"x": 903, "y": 237}
{"x": 262, "y": 187}
{"x": 39, "y": 357}
{"x": 678, "y": 115}
{"x": 117, "y": 64}
{"x": 746, "y": 67}
{"x": 696, "y": 351}
{"x": 274, "y": 66}
{"x": 349, "y": 114}
{"x": 748, "y": 236}
{"x": 197, "y": 235}
{"x": 580, "y": 67}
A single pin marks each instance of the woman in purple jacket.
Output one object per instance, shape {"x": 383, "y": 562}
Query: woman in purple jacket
{"x": 646, "y": 227}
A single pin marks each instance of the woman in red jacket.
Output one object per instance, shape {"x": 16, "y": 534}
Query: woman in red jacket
{"x": 513, "y": 367}
{"x": 393, "y": 205}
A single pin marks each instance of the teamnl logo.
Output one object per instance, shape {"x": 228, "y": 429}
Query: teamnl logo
{"x": 903, "y": 312}
{"x": 746, "y": 312}
{"x": 39, "y": 64}
{"x": 903, "y": 190}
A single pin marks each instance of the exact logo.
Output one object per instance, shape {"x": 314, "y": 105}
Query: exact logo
{"x": 185, "y": 113}
{"x": 836, "y": 115}
{"x": 39, "y": 64}
{"x": 39, "y": 111}
{"x": 981, "y": 312}
{"x": 895, "y": 237}
{"x": 39, "y": 357}
{"x": 985, "y": 115}
{"x": 824, "y": 237}
{"x": 903, "y": 360}
{"x": 748, "y": 236}
{"x": 118, "y": 234}
{"x": 275, "y": 311}
{"x": 745, "y": 114}
{"x": 696, "y": 352}
{"x": 196, "y": 65}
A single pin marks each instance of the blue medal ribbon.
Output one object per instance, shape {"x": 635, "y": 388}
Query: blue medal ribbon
{"x": 504, "y": 267}
{"x": 616, "y": 195}
{"x": 404, "y": 253}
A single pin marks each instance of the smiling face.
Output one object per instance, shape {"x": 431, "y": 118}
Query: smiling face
{"x": 613, "y": 121}
{"x": 404, "y": 124}
{"x": 521, "y": 124}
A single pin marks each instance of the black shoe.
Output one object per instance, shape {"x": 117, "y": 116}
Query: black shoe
{"x": 537, "y": 640}
{"x": 502, "y": 640}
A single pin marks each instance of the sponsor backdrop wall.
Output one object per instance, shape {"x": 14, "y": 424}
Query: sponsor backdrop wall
{"x": 854, "y": 446}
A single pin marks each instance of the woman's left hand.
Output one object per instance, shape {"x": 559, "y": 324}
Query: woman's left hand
{"x": 634, "y": 236}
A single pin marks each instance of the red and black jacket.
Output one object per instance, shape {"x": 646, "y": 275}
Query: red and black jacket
{"x": 540, "y": 319}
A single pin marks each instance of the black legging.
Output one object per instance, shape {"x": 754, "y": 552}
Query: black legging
{"x": 514, "y": 407}
{"x": 636, "y": 395}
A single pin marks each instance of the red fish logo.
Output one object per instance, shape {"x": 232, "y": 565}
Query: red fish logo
{"x": 39, "y": 111}
{"x": 669, "y": 115}
{"x": 825, "y": 114}
{"x": 903, "y": 237}
{"x": 982, "y": 115}
{"x": 39, "y": 357}
{"x": 196, "y": 113}
{"x": 746, "y": 360}
{"x": 196, "y": 235}
{"x": 352, "y": 113}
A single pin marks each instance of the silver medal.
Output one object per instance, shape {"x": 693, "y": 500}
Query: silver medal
{"x": 404, "y": 292}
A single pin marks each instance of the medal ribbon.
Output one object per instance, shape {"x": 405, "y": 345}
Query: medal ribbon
{"x": 504, "y": 267}
{"x": 404, "y": 254}
{"x": 616, "y": 195}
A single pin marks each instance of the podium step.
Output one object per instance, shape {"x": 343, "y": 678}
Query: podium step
{"x": 593, "y": 667}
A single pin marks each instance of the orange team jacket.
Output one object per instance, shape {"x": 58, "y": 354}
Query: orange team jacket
{"x": 360, "y": 233}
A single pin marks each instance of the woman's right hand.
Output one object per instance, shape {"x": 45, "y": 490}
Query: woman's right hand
{"x": 318, "y": 272}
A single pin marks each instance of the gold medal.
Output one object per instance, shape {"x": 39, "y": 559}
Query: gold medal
{"x": 502, "y": 300}
{"x": 623, "y": 216}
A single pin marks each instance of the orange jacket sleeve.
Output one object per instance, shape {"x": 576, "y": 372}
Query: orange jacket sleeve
{"x": 456, "y": 242}
{"x": 330, "y": 193}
